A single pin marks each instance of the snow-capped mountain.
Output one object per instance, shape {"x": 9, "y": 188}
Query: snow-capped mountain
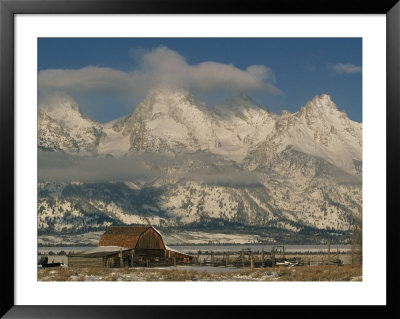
{"x": 61, "y": 126}
{"x": 240, "y": 124}
{"x": 235, "y": 166}
{"x": 168, "y": 120}
{"x": 318, "y": 129}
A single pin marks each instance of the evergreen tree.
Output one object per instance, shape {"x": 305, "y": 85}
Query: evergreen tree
{"x": 356, "y": 240}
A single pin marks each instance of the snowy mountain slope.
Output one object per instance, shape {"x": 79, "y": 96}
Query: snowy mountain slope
{"x": 319, "y": 205}
{"x": 294, "y": 192}
{"x": 239, "y": 124}
{"x": 113, "y": 142}
{"x": 235, "y": 166}
{"x": 168, "y": 120}
{"x": 61, "y": 126}
{"x": 318, "y": 129}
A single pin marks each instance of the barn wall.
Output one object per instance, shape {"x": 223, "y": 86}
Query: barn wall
{"x": 176, "y": 254}
{"x": 150, "y": 239}
{"x": 150, "y": 252}
{"x": 85, "y": 261}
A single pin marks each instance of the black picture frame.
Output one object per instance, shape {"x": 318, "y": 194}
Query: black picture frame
{"x": 8, "y": 10}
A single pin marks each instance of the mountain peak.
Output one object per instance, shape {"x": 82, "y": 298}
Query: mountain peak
{"x": 323, "y": 101}
{"x": 161, "y": 91}
{"x": 325, "y": 97}
{"x": 59, "y": 105}
{"x": 319, "y": 104}
{"x": 167, "y": 99}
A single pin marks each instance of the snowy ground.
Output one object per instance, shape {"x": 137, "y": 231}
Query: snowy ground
{"x": 86, "y": 239}
{"x": 283, "y": 273}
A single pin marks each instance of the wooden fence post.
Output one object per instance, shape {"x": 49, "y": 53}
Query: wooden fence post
{"x": 250, "y": 255}
{"x": 272, "y": 256}
{"x": 212, "y": 259}
{"x": 121, "y": 261}
{"x": 262, "y": 257}
{"x": 329, "y": 252}
{"x": 132, "y": 256}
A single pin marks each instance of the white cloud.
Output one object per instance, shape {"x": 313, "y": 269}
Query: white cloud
{"x": 342, "y": 68}
{"x": 207, "y": 168}
{"x": 61, "y": 167}
{"x": 159, "y": 67}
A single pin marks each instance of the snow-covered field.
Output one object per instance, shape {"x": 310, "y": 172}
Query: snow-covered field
{"x": 254, "y": 247}
{"x": 86, "y": 239}
{"x": 196, "y": 238}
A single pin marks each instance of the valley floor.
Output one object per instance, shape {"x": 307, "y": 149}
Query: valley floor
{"x": 350, "y": 272}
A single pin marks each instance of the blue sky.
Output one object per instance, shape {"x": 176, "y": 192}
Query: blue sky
{"x": 109, "y": 77}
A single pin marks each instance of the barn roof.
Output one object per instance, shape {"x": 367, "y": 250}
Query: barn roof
{"x": 100, "y": 251}
{"x": 176, "y": 251}
{"x": 123, "y": 236}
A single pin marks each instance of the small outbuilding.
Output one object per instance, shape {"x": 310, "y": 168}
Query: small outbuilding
{"x": 130, "y": 246}
{"x": 107, "y": 257}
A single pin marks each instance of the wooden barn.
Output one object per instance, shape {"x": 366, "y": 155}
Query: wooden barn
{"x": 130, "y": 246}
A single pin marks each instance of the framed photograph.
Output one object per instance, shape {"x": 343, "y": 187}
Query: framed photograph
{"x": 159, "y": 155}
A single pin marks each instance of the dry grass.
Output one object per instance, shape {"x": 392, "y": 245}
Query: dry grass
{"x": 97, "y": 271}
{"x": 321, "y": 273}
{"x": 303, "y": 273}
{"x": 55, "y": 274}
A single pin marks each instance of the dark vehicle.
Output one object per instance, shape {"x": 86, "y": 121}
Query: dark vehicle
{"x": 44, "y": 262}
